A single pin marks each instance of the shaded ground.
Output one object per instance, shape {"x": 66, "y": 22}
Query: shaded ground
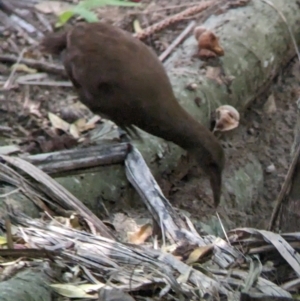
{"x": 269, "y": 135}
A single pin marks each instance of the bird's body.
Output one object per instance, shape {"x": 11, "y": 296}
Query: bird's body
{"x": 119, "y": 77}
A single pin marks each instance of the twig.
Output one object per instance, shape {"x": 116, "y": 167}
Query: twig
{"x": 177, "y": 41}
{"x": 284, "y": 189}
{"x": 5, "y": 129}
{"x": 223, "y": 228}
{"x": 7, "y": 21}
{"x": 41, "y": 66}
{"x": 5, "y": 195}
{"x": 9, "y": 80}
{"x": 46, "y": 83}
{"x": 19, "y": 19}
{"x": 173, "y": 19}
{"x": 44, "y": 21}
{"x": 60, "y": 194}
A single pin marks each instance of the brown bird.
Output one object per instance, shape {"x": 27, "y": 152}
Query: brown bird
{"x": 119, "y": 77}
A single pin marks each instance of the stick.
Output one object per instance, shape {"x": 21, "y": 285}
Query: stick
{"x": 41, "y": 66}
{"x": 177, "y": 41}
{"x": 173, "y": 19}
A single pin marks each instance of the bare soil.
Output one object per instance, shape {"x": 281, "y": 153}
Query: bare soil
{"x": 269, "y": 136}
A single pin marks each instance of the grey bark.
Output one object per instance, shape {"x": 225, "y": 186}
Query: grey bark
{"x": 261, "y": 297}
{"x": 257, "y": 45}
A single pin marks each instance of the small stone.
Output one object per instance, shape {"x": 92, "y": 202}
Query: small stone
{"x": 271, "y": 168}
{"x": 198, "y": 101}
{"x": 270, "y": 105}
{"x": 251, "y": 131}
{"x": 192, "y": 86}
{"x": 255, "y": 124}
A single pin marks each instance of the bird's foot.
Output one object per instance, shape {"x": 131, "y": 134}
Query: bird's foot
{"x": 123, "y": 135}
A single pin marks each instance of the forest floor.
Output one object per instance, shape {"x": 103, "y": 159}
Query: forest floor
{"x": 24, "y": 109}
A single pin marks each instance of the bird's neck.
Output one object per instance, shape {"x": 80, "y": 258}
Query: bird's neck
{"x": 184, "y": 130}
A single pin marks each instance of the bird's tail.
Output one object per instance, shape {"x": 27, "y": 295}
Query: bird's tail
{"x": 54, "y": 43}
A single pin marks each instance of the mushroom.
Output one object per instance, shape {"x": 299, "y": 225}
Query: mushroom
{"x": 227, "y": 118}
{"x": 208, "y": 43}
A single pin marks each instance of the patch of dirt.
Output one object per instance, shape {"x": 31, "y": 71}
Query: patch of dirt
{"x": 269, "y": 135}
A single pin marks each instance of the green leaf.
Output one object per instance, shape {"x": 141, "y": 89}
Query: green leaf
{"x": 64, "y": 18}
{"x": 83, "y": 10}
{"x": 89, "y": 4}
{"x": 121, "y": 3}
{"x": 84, "y": 13}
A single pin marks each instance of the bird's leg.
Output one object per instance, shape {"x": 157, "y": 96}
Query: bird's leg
{"x": 128, "y": 133}
{"x": 124, "y": 136}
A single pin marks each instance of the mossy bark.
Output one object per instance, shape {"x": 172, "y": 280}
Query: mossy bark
{"x": 28, "y": 285}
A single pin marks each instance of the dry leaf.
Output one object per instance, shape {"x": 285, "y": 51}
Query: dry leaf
{"x": 88, "y": 126}
{"x": 178, "y": 257}
{"x": 80, "y": 124}
{"x": 270, "y": 105}
{"x": 113, "y": 294}
{"x": 9, "y": 149}
{"x": 214, "y": 73}
{"x": 170, "y": 248}
{"x": 3, "y": 240}
{"x": 23, "y": 68}
{"x": 287, "y": 252}
{"x": 198, "y": 253}
{"x": 126, "y": 225}
{"x": 32, "y": 106}
{"x": 137, "y": 26}
{"x": 59, "y": 220}
{"x": 74, "y": 131}
{"x": 52, "y": 7}
{"x": 84, "y": 126}
{"x": 94, "y": 119}
{"x": 71, "y": 222}
{"x": 141, "y": 236}
{"x": 77, "y": 291}
{"x": 184, "y": 278}
{"x": 74, "y": 221}
{"x": 58, "y": 123}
